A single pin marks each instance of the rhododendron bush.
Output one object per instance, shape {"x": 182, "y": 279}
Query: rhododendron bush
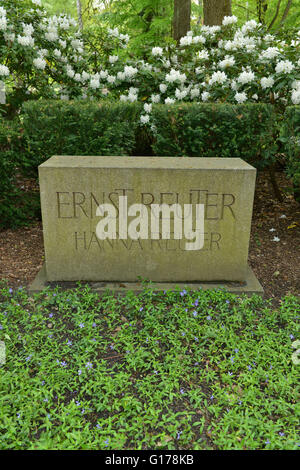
{"x": 42, "y": 56}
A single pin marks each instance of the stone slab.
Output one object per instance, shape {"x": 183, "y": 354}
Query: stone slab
{"x": 250, "y": 286}
{"x": 72, "y": 187}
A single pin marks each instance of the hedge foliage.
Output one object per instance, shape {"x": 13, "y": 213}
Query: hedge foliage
{"x": 77, "y": 128}
{"x": 223, "y": 130}
{"x": 16, "y": 206}
{"x": 46, "y": 128}
{"x": 290, "y": 136}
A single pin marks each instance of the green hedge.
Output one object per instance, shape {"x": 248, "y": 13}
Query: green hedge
{"x": 46, "y": 128}
{"x": 16, "y": 206}
{"x": 77, "y": 128}
{"x": 216, "y": 130}
{"x": 290, "y": 137}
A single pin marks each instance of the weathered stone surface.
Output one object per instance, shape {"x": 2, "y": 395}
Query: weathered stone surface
{"x": 72, "y": 187}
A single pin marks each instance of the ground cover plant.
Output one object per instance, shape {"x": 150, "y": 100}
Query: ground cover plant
{"x": 158, "y": 370}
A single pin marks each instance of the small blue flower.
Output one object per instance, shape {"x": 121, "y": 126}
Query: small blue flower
{"x": 89, "y": 365}
{"x": 79, "y": 372}
{"x": 208, "y": 317}
{"x": 281, "y": 434}
{"x": 267, "y": 442}
{"x": 81, "y": 325}
{"x": 195, "y": 314}
{"x": 141, "y": 309}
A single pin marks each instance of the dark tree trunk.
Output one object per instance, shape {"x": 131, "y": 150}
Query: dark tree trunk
{"x": 215, "y": 10}
{"x": 181, "y": 18}
{"x": 79, "y": 14}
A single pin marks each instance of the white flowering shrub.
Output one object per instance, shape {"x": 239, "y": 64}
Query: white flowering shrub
{"x": 47, "y": 56}
{"x": 39, "y": 55}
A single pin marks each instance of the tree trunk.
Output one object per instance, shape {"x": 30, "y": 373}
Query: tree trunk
{"x": 79, "y": 14}
{"x": 181, "y": 18}
{"x": 275, "y": 16}
{"x": 215, "y": 10}
{"x": 286, "y": 12}
{"x": 262, "y": 6}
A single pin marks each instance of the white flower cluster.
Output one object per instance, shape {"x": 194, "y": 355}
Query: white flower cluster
{"x": 39, "y": 63}
{"x": 218, "y": 77}
{"x": 3, "y": 19}
{"x": 267, "y": 82}
{"x": 246, "y": 77}
{"x": 157, "y": 51}
{"x": 229, "y": 20}
{"x": 213, "y": 63}
{"x": 295, "y": 95}
{"x": 115, "y": 34}
{"x": 228, "y": 61}
{"x": 4, "y": 71}
{"x": 25, "y": 40}
{"x": 175, "y": 76}
{"x": 190, "y": 39}
{"x": 270, "y": 53}
{"x": 284, "y": 66}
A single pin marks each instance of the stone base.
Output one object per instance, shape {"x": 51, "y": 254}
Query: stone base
{"x": 249, "y": 287}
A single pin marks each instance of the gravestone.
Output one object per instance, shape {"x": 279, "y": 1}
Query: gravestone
{"x": 73, "y": 187}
